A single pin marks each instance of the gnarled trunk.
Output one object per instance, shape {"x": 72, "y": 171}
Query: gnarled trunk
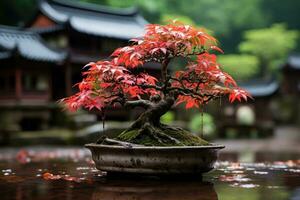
{"x": 148, "y": 130}
{"x": 153, "y": 113}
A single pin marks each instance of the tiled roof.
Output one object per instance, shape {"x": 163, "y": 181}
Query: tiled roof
{"x": 28, "y": 45}
{"x": 293, "y": 61}
{"x": 94, "y": 19}
{"x": 46, "y": 30}
{"x": 261, "y": 88}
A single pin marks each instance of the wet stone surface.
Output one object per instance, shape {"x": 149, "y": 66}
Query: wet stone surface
{"x": 71, "y": 174}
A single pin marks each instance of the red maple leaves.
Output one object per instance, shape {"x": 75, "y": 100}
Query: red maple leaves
{"x": 106, "y": 83}
{"x": 203, "y": 80}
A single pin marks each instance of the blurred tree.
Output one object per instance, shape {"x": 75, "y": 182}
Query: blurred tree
{"x": 269, "y": 45}
{"x": 241, "y": 67}
{"x": 150, "y": 9}
{"x": 16, "y": 12}
{"x": 166, "y": 18}
{"x": 218, "y": 16}
{"x": 283, "y": 11}
{"x": 104, "y": 2}
{"x": 223, "y": 17}
{"x": 203, "y": 123}
{"x": 168, "y": 117}
{"x": 227, "y": 18}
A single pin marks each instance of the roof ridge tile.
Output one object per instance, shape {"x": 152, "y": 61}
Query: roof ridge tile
{"x": 129, "y": 11}
{"x": 15, "y": 39}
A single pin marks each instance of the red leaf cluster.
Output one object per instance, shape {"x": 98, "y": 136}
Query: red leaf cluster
{"x": 106, "y": 83}
{"x": 203, "y": 80}
{"x": 159, "y": 42}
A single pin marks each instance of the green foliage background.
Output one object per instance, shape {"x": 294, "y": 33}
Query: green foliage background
{"x": 228, "y": 19}
{"x": 240, "y": 67}
{"x": 269, "y": 45}
{"x": 231, "y": 21}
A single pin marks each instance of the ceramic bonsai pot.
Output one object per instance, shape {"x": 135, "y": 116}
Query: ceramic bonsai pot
{"x": 154, "y": 160}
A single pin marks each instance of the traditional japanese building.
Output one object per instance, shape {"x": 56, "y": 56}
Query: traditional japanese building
{"x": 255, "y": 115}
{"x": 27, "y": 71}
{"x": 40, "y": 63}
{"x": 87, "y": 32}
{"x": 291, "y": 88}
{"x": 291, "y": 74}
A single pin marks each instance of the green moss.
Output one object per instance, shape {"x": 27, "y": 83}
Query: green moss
{"x": 186, "y": 138}
{"x": 129, "y": 135}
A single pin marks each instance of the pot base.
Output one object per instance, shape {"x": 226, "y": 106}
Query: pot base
{"x": 153, "y": 160}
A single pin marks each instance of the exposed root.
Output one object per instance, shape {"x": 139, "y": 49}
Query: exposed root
{"x": 147, "y": 129}
{"x": 163, "y": 135}
{"x": 159, "y": 134}
{"x": 120, "y": 143}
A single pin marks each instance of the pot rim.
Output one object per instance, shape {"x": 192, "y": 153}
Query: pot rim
{"x": 210, "y": 146}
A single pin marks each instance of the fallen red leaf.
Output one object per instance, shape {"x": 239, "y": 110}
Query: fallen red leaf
{"x": 49, "y": 176}
{"x": 23, "y": 156}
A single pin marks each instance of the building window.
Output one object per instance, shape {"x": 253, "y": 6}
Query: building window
{"x": 7, "y": 83}
{"x": 245, "y": 115}
{"x": 109, "y": 45}
{"x": 34, "y": 83}
{"x": 59, "y": 41}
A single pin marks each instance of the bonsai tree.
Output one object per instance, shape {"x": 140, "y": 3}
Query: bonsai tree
{"x": 107, "y": 83}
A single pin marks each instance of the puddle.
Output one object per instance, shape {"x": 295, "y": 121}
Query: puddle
{"x": 70, "y": 174}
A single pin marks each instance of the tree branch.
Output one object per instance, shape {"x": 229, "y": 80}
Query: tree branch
{"x": 145, "y": 86}
{"x": 139, "y": 103}
{"x": 164, "y": 69}
{"x": 120, "y": 143}
{"x": 193, "y": 53}
{"x": 196, "y": 53}
{"x": 189, "y": 92}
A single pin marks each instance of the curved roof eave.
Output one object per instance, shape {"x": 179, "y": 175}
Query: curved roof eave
{"x": 106, "y": 22}
{"x": 89, "y": 7}
{"x": 262, "y": 89}
{"x": 50, "y": 12}
{"x": 51, "y": 8}
{"x": 293, "y": 61}
{"x": 107, "y": 28}
{"x": 28, "y": 45}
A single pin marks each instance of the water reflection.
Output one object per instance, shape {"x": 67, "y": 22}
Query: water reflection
{"x": 61, "y": 174}
{"x": 28, "y": 181}
{"x": 267, "y": 181}
{"x": 150, "y": 190}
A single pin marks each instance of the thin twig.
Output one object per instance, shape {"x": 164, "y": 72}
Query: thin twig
{"x": 120, "y": 143}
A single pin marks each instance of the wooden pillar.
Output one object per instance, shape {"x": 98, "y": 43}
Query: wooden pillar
{"x": 18, "y": 86}
{"x": 68, "y": 72}
{"x": 50, "y": 88}
{"x": 68, "y": 79}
